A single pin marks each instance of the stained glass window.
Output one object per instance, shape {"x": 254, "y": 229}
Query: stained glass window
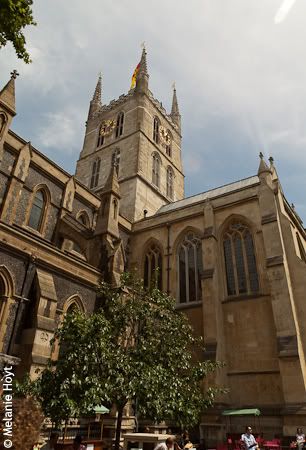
{"x": 156, "y": 130}
{"x": 230, "y": 277}
{"x": 240, "y": 260}
{"x": 190, "y": 269}
{"x": 153, "y": 267}
{"x": 95, "y": 173}
{"x": 100, "y": 141}
{"x": 119, "y": 124}
{"x": 37, "y": 211}
{"x": 156, "y": 170}
{"x": 168, "y": 146}
{"x": 170, "y": 183}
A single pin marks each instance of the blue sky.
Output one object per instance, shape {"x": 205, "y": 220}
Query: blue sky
{"x": 241, "y": 80}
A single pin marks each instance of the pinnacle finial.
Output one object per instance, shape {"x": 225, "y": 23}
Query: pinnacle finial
{"x": 263, "y": 168}
{"x": 174, "y": 109}
{"x": 142, "y": 76}
{"x": 14, "y": 74}
{"x": 112, "y": 183}
{"x": 98, "y": 90}
{"x": 271, "y": 160}
{"x": 143, "y": 69}
{"x": 175, "y": 112}
{"x": 7, "y": 93}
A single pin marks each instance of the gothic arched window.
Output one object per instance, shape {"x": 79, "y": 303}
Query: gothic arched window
{"x": 189, "y": 256}
{"x": 170, "y": 177}
{"x": 95, "y": 173}
{"x": 119, "y": 124}
{"x": 301, "y": 247}
{"x": 72, "y": 306}
{"x": 2, "y": 299}
{"x": 100, "y": 141}
{"x": 2, "y": 122}
{"x": 169, "y": 144}
{"x": 240, "y": 261}
{"x": 6, "y": 297}
{"x": 153, "y": 267}
{"x": 37, "y": 212}
{"x": 156, "y": 124}
{"x": 84, "y": 218}
{"x": 156, "y": 163}
{"x": 116, "y": 159}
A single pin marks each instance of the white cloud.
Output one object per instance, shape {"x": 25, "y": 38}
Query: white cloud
{"x": 57, "y": 131}
{"x": 283, "y": 10}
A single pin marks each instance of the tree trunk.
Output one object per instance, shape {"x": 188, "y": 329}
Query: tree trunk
{"x": 118, "y": 427}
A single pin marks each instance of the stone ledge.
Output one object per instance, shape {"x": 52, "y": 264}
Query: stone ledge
{"x": 38, "y": 359}
{"x": 287, "y": 346}
{"x": 8, "y": 360}
{"x": 209, "y": 233}
{"x": 208, "y": 273}
{"x": 188, "y": 305}
{"x": 275, "y": 261}
{"x": 268, "y": 218}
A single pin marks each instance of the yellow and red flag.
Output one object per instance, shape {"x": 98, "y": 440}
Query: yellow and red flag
{"x": 134, "y": 76}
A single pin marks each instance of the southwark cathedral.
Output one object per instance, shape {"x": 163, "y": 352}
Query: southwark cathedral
{"x": 233, "y": 257}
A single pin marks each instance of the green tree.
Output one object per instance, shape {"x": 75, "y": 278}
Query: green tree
{"x": 136, "y": 346}
{"x": 15, "y": 15}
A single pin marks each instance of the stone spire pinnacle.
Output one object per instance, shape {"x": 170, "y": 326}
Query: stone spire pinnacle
{"x": 143, "y": 68}
{"x": 98, "y": 91}
{"x": 96, "y": 103}
{"x": 7, "y": 94}
{"x": 175, "y": 112}
{"x": 263, "y": 168}
{"x": 112, "y": 184}
{"x": 142, "y": 81}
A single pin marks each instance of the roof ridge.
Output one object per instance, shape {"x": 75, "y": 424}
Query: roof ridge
{"x": 165, "y": 207}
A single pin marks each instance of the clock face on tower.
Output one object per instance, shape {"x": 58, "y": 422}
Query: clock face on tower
{"x": 164, "y": 135}
{"x": 107, "y": 127}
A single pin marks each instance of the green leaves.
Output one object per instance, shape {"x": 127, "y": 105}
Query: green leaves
{"x": 14, "y": 16}
{"x": 136, "y": 346}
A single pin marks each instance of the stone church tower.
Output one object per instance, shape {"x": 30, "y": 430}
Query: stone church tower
{"x": 136, "y": 134}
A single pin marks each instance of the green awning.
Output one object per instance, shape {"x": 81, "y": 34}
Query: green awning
{"x": 241, "y": 412}
{"x": 101, "y": 410}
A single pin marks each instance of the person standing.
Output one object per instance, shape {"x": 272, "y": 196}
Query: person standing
{"x": 300, "y": 439}
{"x": 77, "y": 444}
{"x": 169, "y": 444}
{"x": 51, "y": 444}
{"x": 248, "y": 439}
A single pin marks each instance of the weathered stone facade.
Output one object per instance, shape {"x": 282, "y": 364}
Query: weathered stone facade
{"x": 233, "y": 257}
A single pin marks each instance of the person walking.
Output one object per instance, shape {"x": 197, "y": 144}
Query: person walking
{"x": 248, "y": 439}
{"x": 300, "y": 439}
{"x": 51, "y": 444}
{"x": 77, "y": 444}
